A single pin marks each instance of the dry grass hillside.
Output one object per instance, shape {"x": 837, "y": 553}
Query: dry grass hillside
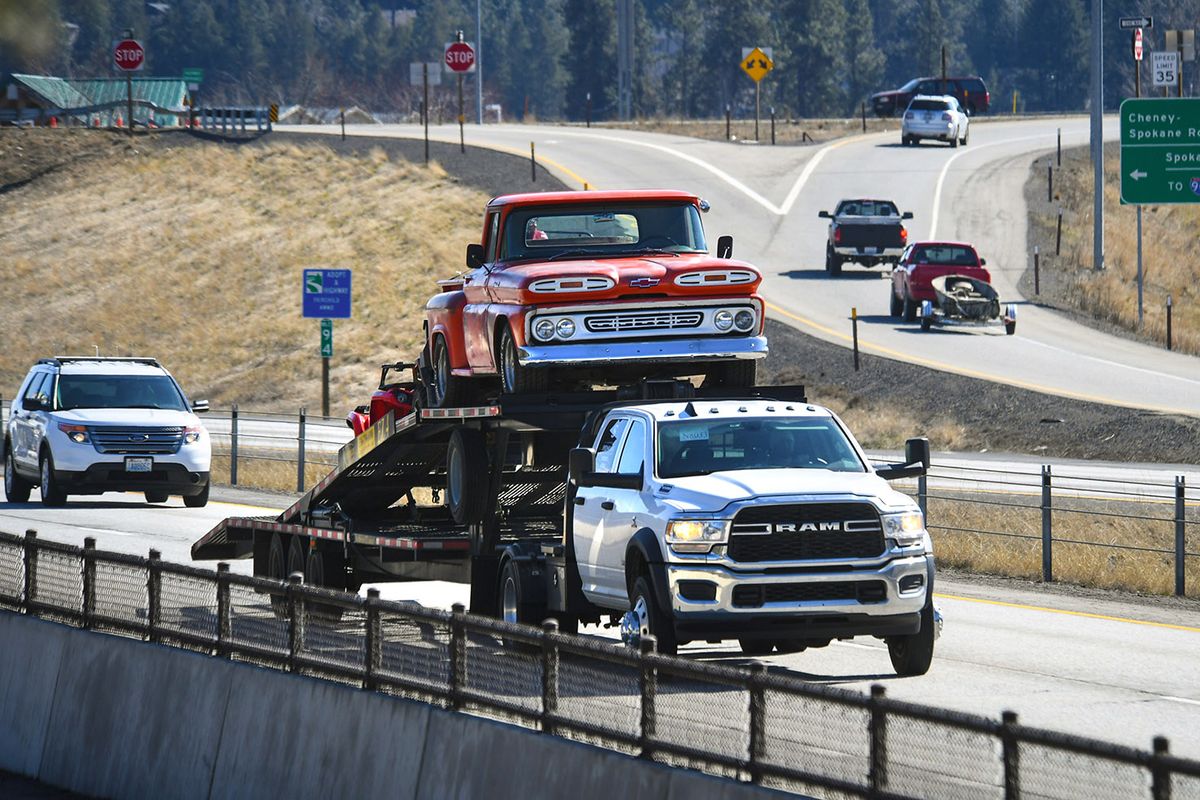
{"x": 192, "y": 252}
{"x": 1169, "y": 256}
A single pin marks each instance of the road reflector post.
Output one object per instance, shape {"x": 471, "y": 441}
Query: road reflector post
{"x": 727, "y": 123}
{"x": 1169, "y": 304}
{"x": 1059, "y": 163}
{"x": 1058, "y": 234}
{"x": 854, "y": 331}
{"x": 300, "y": 452}
{"x": 1049, "y": 183}
{"x": 1180, "y": 534}
{"x": 1047, "y": 528}
{"x": 532, "y": 163}
{"x": 89, "y": 581}
{"x": 1037, "y": 282}
{"x": 772, "y": 124}
{"x": 233, "y": 449}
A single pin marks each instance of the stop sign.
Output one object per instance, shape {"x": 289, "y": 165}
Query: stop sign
{"x": 460, "y": 57}
{"x": 1137, "y": 44}
{"x": 129, "y": 55}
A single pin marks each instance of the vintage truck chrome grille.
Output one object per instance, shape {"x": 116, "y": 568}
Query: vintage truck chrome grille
{"x": 806, "y": 531}
{"x": 643, "y": 321}
{"x": 137, "y": 441}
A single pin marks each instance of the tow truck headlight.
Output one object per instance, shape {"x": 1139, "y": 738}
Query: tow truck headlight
{"x": 696, "y": 535}
{"x": 192, "y": 435}
{"x": 565, "y": 328}
{"x": 76, "y": 433}
{"x": 907, "y": 528}
{"x": 544, "y": 329}
{"x": 743, "y": 320}
{"x": 723, "y": 319}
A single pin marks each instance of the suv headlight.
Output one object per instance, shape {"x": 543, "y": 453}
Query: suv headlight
{"x": 76, "y": 433}
{"x": 696, "y": 535}
{"x": 192, "y": 435}
{"x": 907, "y": 528}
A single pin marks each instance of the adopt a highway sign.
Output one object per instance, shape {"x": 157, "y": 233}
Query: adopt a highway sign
{"x": 326, "y": 293}
{"x": 1160, "y": 151}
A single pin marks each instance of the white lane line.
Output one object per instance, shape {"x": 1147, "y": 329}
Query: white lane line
{"x": 937, "y": 191}
{"x": 1187, "y": 700}
{"x": 1106, "y": 362}
{"x": 780, "y": 211}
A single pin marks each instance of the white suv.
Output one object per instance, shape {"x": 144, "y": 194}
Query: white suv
{"x": 935, "y": 117}
{"x": 82, "y": 425}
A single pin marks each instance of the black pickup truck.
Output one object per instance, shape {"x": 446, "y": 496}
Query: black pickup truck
{"x": 869, "y": 232}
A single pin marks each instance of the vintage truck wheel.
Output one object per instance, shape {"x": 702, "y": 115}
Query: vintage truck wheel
{"x": 514, "y": 378}
{"x": 447, "y": 390}
{"x": 466, "y": 460}
{"x": 1010, "y": 327}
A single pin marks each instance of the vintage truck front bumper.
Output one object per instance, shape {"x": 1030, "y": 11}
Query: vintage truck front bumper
{"x": 596, "y": 353}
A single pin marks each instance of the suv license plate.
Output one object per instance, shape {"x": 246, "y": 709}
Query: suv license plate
{"x": 139, "y": 464}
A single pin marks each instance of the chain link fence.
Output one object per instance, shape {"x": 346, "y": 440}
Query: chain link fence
{"x": 773, "y": 730}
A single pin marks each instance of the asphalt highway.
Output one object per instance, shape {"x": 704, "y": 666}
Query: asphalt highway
{"x": 768, "y": 199}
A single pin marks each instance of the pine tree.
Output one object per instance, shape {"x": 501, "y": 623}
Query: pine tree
{"x": 864, "y": 59}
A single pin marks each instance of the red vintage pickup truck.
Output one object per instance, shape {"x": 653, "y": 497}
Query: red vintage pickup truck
{"x": 920, "y": 263}
{"x": 572, "y": 289}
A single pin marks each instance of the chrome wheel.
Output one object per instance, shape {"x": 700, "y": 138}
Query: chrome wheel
{"x": 508, "y": 603}
{"x": 636, "y": 623}
{"x": 441, "y": 376}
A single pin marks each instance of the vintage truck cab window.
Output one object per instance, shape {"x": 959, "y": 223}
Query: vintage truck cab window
{"x": 600, "y": 231}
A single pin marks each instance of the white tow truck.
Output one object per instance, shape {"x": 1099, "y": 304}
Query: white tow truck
{"x": 688, "y": 514}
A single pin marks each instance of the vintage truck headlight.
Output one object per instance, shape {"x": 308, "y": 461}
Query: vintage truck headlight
{"x": 696, "y": 535}
{"x": 544, "y": 329}
{"x": 743, "y": 320}
{"x": 723, "y": 319}
{"x": 907, "y": 528}
{"x": 565, "y": 328}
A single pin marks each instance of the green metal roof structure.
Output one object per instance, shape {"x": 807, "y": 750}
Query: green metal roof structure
{"x": 78, "y": 93}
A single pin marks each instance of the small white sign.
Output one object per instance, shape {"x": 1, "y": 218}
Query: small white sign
{"x": 415, "y": 73}
{"x": 1164, "y": 66}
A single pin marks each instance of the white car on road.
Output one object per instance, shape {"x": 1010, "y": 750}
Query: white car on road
{"x": 82, "y": 425}
{"x": 935, "y": 117}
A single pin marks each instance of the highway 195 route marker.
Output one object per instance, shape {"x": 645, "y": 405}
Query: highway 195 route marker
{"x": 1160, "y": 151}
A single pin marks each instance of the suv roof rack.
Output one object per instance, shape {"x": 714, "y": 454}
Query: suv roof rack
{"x": 58, "y": 361}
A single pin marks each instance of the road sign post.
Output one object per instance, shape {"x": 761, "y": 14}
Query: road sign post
{"x": 129, "y": 56}
{"x": 757, "y": 62}
{"x": 325, "y": 294}
{"x": 1138, "y": 51}
{"x": 1160, "y": 151}
{"x": 460, "y": 59}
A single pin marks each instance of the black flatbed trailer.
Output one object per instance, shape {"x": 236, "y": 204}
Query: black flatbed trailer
{"x": 364, "y": 522}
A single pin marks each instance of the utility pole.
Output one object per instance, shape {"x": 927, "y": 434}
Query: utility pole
{"x": 478, "y": 62}
{"x": 625, "y": 58}
{"x": 944, "y": 84}
{"x": 1097, "y": 134}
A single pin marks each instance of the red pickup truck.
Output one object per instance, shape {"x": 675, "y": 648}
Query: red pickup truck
{"x": 920, "y": 263}
{"x": 570, "y": 289}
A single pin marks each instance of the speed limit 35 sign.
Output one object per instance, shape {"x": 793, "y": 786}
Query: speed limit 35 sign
{"x": 1164, "y": 65}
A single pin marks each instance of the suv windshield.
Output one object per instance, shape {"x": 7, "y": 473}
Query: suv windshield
{"x": 602, "y": 231}
{"x": 118, "y": 391}
{"x": 698, "y": 447}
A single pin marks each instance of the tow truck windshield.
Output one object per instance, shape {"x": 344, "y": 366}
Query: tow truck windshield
{"x": 699, "y": 447}
{"x": 603, "y": 231}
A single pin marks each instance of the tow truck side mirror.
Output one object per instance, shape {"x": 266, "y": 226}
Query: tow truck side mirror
{"x": 581, "y": 463}
{"x": 916, "y": 461}
{"x": 823, "y": 214}
{"x": 906, "y": 215}
{"x": 725, "y": 247}
{"x": 475, "y": 256}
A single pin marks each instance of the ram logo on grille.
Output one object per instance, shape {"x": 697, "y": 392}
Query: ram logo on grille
{"x": 824, "y": 527}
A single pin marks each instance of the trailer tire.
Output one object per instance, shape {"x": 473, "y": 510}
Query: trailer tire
{"x": 466, "y": 458}
{"x": 297, "y": 559}
{"x": 325, "y": 569}
{"x": 277, "y": 570}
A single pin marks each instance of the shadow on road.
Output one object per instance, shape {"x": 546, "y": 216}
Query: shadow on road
{"x": 821, "y": 274}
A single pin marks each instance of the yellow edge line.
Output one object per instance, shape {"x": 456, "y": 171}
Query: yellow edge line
{"x": 925, "y": 362}
{"x": 1069, "y": 613}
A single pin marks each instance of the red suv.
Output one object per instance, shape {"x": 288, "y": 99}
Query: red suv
{"x": 972, "y": 95}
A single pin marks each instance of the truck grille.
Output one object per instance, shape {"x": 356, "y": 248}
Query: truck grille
{"x": 137, "y": 441}
{"x": 820, "y": 531}
{"x": 643, "y": 321}
{"x": 753, "y": 596}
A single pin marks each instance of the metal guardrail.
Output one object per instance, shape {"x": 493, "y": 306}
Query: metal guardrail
{"x": 746, "y": 724}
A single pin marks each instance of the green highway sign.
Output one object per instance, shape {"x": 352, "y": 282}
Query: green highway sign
{"x": 193, "y": 75}
{"x": 327, "y": 338}
{"x": 1160, "y": 151}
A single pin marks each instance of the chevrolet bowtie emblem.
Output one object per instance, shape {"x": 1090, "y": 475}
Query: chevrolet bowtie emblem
{"x": 643, "y": 283}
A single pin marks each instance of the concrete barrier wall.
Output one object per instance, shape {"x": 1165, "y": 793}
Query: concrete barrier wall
{"x": 112, "y": 717}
